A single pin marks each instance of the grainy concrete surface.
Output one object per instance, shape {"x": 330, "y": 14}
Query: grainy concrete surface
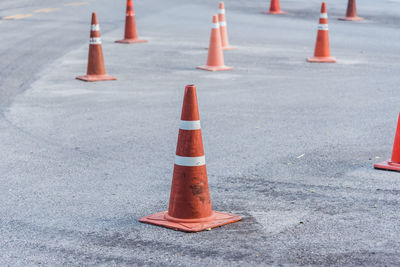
{"x": 289, "y": 145}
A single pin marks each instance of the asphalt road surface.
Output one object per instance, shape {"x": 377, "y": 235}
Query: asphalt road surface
{"x": 290, "y": 145}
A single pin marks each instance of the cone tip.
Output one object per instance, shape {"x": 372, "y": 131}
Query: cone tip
{"x": 215, "y": 19}
{"x": 190, "y": 109}
{"x": 221, "y": 5}
{"x": 190, "y": 87}
{"x": 94, "y": 18}
{"x": 323, "y": 7}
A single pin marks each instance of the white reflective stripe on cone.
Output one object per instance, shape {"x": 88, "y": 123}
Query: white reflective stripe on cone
{"x": 96, "y": 40}
{"x": 130, "y": 14}
{"x": 222, "y": 24}
{"x": 323, "y": 15}
{"x": 221, "y": 11}
{"x": 190, "y": 161}
{"x": 323, "y": 27}
{"x": 190, "y": 125}
{"x": 95, "y": 27}
{"x": 215, "y": 25}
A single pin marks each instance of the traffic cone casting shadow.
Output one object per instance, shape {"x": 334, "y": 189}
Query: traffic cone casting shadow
{"x": 275, "y": 8}
{"x": 190, "y": 204}
{"x": 223, "y": 28}
{"x": 322, "y": 52}
{"x": 215, "y": 60}
{"x": 95, "y": 69}
{"x": 394, "y": 163}
{"x": 131, "y": 36}
{"x": 351, "y": 13}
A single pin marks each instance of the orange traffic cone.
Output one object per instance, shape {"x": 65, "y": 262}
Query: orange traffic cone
{"x": 322, "y": 52}
{"x": 275, "y": 8}
{"x": 95, "y": 69}
{"x": 351, "y": 13}
{"x": 223, "y": 28}
{"x": 131, "y": 36}
{"x": 190, "y": 204}
{"x": 215, "y": 61}
{"x": 394, "y": 163}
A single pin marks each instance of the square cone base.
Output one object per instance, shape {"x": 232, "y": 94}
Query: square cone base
{"x": 321, "y": 59}
{"x": 388, "y": 165}
{"x": 96, "y": 78}
{"x": 225, "y": 48}
{"x": 274, "y": 12}
{"x": 220, "y": 219}
{"x": 131, "y": 41}
{"x": 351, "y": 18}
{"x": 229, "y": 48}
{"x": 212, "y": 68}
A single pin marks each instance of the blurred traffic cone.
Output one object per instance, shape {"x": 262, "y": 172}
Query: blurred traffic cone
{"x": 95, "y": 69}
{"x": 351, "y": 13}
{"x": 394, "y": 163}
{"x": 322, "y": 51}
{"x": 190, "y": 204}
{"x": 275, "y": 8}
{"x": 223, "y": 28}
{"x": 215, "y": 60}
{"x": 131, "y": 36}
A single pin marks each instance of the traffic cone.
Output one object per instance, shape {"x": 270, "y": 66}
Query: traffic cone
{"x": 131, "y": 36}
{"x": 322, "y": 52}
{"x": 223, "y": 28}
{"x": 351, "y": 13}
{"x": 215, "y": 61}
{"x": 275, "y": 8}
{"x": 190, "y": 204}
{"x": 95, "y": 69}
{"x": 394, "y": 163}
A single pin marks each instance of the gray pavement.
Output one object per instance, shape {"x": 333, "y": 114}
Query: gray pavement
{"x": 289, "y": 145}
